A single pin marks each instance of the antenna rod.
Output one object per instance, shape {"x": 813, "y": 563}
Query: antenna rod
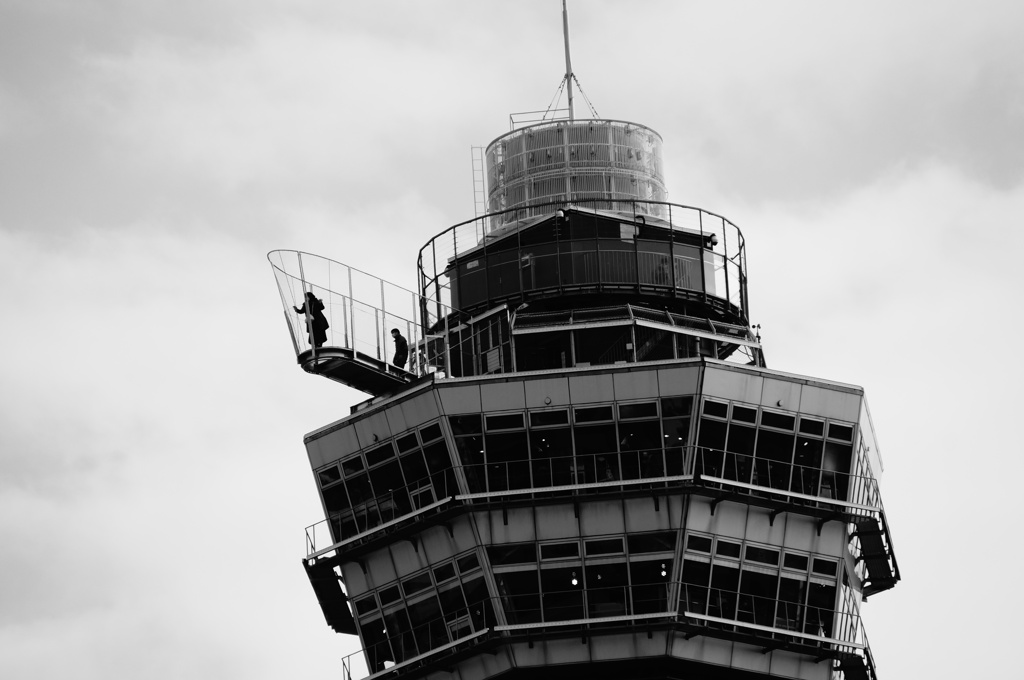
{"x": 568, "y": 63}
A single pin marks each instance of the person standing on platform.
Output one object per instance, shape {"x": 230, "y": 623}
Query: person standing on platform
{"x": 401, "y": 349}
{"x": 316, "y": 322}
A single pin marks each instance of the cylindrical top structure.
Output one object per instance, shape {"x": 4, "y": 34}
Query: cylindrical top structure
{"x": 607, "y": 160}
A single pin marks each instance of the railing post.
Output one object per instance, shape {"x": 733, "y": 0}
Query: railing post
{"x": 376, "y": 325}
{"x": 352, "y": 309}
{"x": 703, "y": 278}
{"x": 725, "y": 259}
{"x": 382, "y": 331}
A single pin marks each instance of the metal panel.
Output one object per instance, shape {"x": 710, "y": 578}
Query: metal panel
{"x": 502, "y": 396}
{"x": 801, "y": 532}
{"x": 832, "y": 540}
{"x": 380, "y": 568}
{"x": 372, "y": 429}
{"x": 420, "y": 409}
{"x": 780, "y": 394}
{"x": 331, "y": 447}
{"x": 518, "y": 529}
{"x": 397, "y": 420}
{"x": 732, "y": 384}
{"x": 556, "y": 521}
{"x": 641, "y": 516}
{"x": 751, "y": 659}
{"x": 547, "y": 392}
{"x": 435, "y": 545}
{"x": 819, "y": 401}
{"x": 707, "y": 649}
{"x": 636, "y": 385}
{"x": 584, "y": 389}
{"x": 760, "y": 529}
{"x": 597, "y": 519}
{"x": 460, "y": 399}
{"x": 354, "y": 578}
{"x": 677, "y": 381}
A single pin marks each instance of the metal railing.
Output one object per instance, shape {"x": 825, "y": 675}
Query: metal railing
{"x": 396, "y": 643}
{"x": 380, "y": 509}
{"x": 360, "y": 311}
{"x": 487, "y": 270}
{"x": 544, "y": 476}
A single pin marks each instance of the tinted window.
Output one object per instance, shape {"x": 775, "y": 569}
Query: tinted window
{"x": 713, "y": 408}
{"x": 593, "y": 414}
{"x": 430, "y": 433}
{"x": 779, "y": 420}
{"x": 698, "y": 543}
{"x": 515, "y": 553}
{"x": 541, "y": 418}
{"x": 662, "y": 541}
{"x": 755, "y": 554}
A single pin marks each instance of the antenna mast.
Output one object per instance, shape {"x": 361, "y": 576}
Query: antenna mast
{"x": 568, "y": 63}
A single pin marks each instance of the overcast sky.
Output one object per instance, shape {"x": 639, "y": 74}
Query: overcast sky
{"x": 153, "y": 483}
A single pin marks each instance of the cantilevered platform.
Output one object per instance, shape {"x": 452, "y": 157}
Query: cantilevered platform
{"x": 355, "y": 369}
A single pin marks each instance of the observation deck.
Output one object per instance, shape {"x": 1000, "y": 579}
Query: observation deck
{"x": 358, "y": 310}
{"x": 688, "y": 260}
{"x": 586, "y": 284}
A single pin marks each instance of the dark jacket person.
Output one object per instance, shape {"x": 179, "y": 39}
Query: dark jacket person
{"x": 401, "y": 349}
{"x": 316, "y": 322}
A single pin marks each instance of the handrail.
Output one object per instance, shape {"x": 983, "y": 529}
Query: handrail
{"x": 700, "y": 466}
{"x": 723, "y": 247}
{"x": 359, "y": 309}
{"x": 835, "y": 632}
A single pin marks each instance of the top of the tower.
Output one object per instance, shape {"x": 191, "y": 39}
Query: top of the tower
{"x": 560, "y": 158}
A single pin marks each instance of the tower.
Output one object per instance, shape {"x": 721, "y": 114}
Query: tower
{"x": 583, "y": 465}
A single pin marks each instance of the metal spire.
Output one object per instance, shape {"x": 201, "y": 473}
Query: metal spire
{"x": 568, "y": 63}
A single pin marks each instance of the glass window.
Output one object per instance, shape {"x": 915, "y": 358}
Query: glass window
{"x": 407, "y": 443}
{"x": 416, "y": 583}
{"x": 562, "y": 590}
{"x": 781, "y": 421}
{"x": 676, "y": 406}
{"x": 554, "y": 551}
{"x": 631, "y": 411}
{"x": 543, "y": 418}
{"x": 764, "y": 555}
{"x": 352, "y": 466}
{"x": 444, "y": 572}
{"x": 604, "y": 546}
{"x": 744, "y": 414}
{"x": 413, "y": 466}
{"x": 335, "y": 498}
{"x": 508, "y": 421}
{"x": 814, "y": 427}
{"x": 468, "y": 563}
{"x": 389, "y": 595}
{"x": 716, "y": 409}
{"x": 698, "y": 543}
{"x": 520, "y": 594}
{"x": 467, "y": 424}
{"x": 823, "y": 567}
{"x": 794, "y": 561}
{"x": 512, "y": 553}
{"x": 841, "y": 432}
{"x": 366, "y": 605}
{"x": 593, "y": 414}
{"x": 379, "y": 454}
{"x": 727, "y": 549}
{"x": 430, "y": 433}
{"x": 329, "y": 475}
{"x": 661, "y": 541}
